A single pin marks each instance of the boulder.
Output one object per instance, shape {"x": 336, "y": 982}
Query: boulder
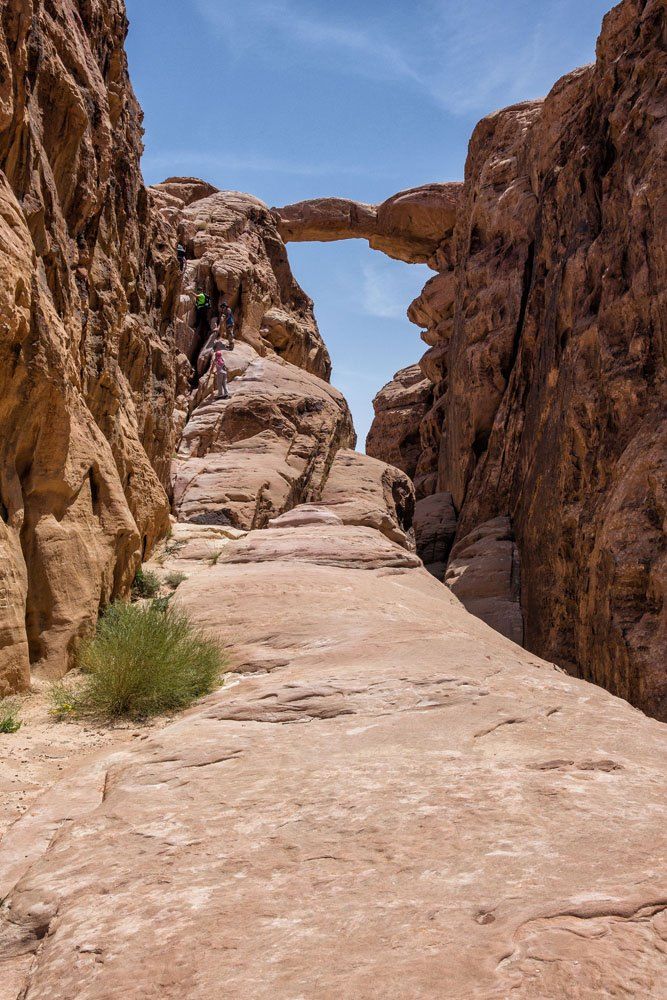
{"x": 400, "y": 407}
{"x": 363, "y": 491}
{"x": 435, "y": 531}
{"x": 484, "y": 572}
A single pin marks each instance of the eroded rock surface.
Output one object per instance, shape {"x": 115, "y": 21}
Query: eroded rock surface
{"x": 409, "y": 226}
{"x": 404, "y": 803}
{"x": 546, "y": 331}
{"x": 390, "y": 798}
{"x": 87, "y": 283}
{"x": 237, "y": 256}
{"x": 268, "y": 448}
{"x": 400, "y": 407}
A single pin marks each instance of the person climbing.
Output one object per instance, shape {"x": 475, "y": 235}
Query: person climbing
{"x": 180, "y": 253}
{"x": 220, "y": 369}
{"x": 228, "y": 319}
{"x": 202, "y": 304}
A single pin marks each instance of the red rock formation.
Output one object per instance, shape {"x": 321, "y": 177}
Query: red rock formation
{"x": 399, "y": 410}
{"x": 547, "y": 334}
{"x": 398, "y": 801}
{"x": 87, "y": 281}
{"x": 393, "y": 800}
{"x": 409, "y": 226}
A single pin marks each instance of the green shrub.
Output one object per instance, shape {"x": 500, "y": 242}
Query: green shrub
{"x": 64, "y": 700}
{"x": 174, "y": 580}
{"x": 146, "y": 584}
{"x": 161, "y": 603}
{"x": 9, "y": 717}
{"x": 143, "y": 660}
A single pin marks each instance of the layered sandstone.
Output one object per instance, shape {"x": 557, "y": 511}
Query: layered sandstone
{"x": 396, "y": 801}
{"x": 245, "y": 461}
{"x": 409, "y": 226}
{"x": 87, "y": 283}
{"x": 546, "y": 333}
{"x": 390, "y": 799}
{"x": 400, "y": 407}
{"x": 237, "y": 256}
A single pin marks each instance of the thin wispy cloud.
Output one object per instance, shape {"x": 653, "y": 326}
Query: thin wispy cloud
{"x": 466, "y": 57}
{"x": 282, "y": 29}
{"x": 388, "y": 287}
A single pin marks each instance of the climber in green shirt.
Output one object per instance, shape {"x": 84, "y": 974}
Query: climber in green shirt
{"x": 202, "y": 303}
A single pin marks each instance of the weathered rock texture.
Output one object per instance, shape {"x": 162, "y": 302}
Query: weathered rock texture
{"x": 237, "y": 256}
{"x": 245, "y": 461}
{"x": 547, "y": 332}
{"x": 400, "y": 408}
{"x": 87, "y": 281}
{"x": 405, "y": 804}
{"x": 396, "y": 801}
{"x": 409, "y": 226}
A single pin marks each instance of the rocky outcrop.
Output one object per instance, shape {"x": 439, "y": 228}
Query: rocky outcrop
{"x": 363, "y": 491}
{"x": 546, "y": 333}
{"x": 391, "y": 798}
{"x": 87, "y": 283}
{"x": 484, "y": 572}
{"x": 400, "y": 407}
{"x": 267, "y": 449}
{"x": 237, "y": 256}
{"x": 410, "y": 226}
{"x": 435, "y": 530}
{"x": 245, "y": 461}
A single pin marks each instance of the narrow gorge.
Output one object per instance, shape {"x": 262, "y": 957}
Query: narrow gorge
{"x": 413, "y": 783}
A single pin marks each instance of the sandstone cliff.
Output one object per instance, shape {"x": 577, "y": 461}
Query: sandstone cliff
{"x": 546, "y": 326}
{"x": 87, "y": 286}
{"x": 400, "y": 407}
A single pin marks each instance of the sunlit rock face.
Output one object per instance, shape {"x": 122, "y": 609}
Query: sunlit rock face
{"x": 546, "y": 333}
{"x": 410, "y": 226}
{"x": 87, "y": 290}
{"x": 400, "y": 407}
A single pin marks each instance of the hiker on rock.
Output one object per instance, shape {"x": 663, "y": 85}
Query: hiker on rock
{"x": 202, "y": 304}
{"x": 220, "y": 369}
{"x": 227, "y": 317}
{"x": 180, "y": 253}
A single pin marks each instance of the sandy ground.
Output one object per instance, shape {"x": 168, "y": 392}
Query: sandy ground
{"x": 35, "y": 757}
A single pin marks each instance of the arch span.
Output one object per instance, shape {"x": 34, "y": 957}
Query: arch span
{"x": 411, "y": 226}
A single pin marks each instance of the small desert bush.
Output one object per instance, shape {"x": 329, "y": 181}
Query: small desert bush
{"x": 174, "y": 580}
{"x": 161, "y": 603}
{"x": 9, "y": 716}
{"x": 143, "y": 660}
{"x": 64, "y": 700}
{"x": 146, "y": 584}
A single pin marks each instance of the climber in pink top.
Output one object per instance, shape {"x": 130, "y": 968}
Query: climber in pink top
{"x": 220, "y": 369}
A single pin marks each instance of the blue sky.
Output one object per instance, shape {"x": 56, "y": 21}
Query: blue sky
{"x": 293, "y": 99}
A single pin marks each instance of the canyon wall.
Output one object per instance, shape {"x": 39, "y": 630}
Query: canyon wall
{"x": 546, "y": 327}
{"x": 87, "y": 289}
